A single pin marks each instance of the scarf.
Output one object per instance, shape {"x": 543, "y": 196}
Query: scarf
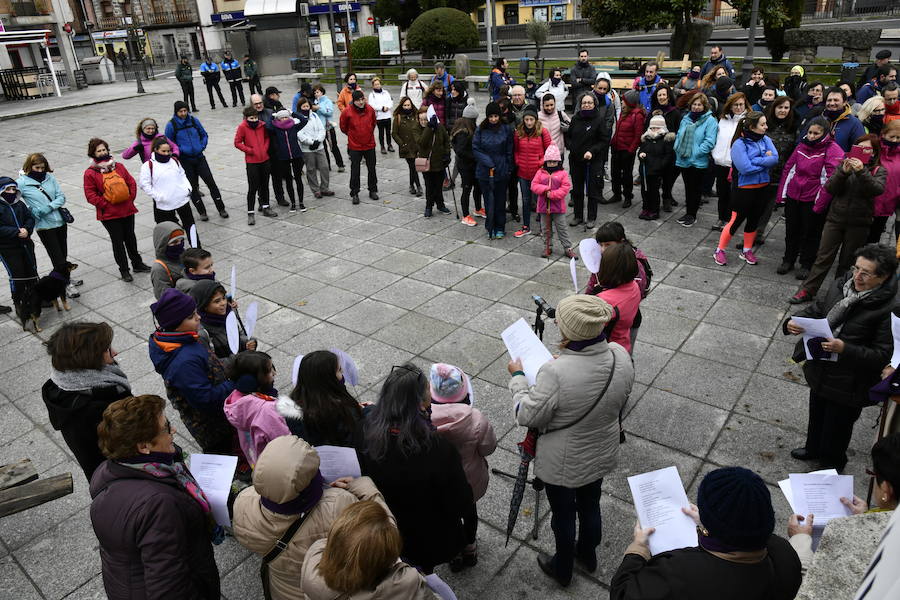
{"x": 754, "y": 136}
{"x": 148, "y": 137}
{"x": 813, "y": 144}
{"x": 174, "y": 251}
{"x": 838, "y": 313}
{"x": 582, "y": 344}
{"x": 378, "y": 91}
{"x": 252, "y": 124}
{"x": 105, "y": 165}
{"x": 587, "y": 113}
{"x": 9, "y": 197}
{"x": 875, "y": 123}
{"x": 552, "y": 169}
{"x": 38, "y": 176}
{"x": 554, "y": 81}
{"x": 304, "y": 502}
{"x": 88, "y": 379}
{"x": 195, "y": 277}
{"x": 695, "y": 116}
{"x": 283, "y": 123}
{"x": 212, "y": 319}
{"x": 694, "y": 75}
{"x": 730, "y": 553}
{"x": 162, "y": 158}
{"x": 890, "y": 145}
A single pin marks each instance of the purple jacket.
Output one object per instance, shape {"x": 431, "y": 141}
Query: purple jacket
{"x": 806, "y": 171}
{"x": 144, "y": 151}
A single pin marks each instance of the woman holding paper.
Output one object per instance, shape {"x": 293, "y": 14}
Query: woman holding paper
{"x": 575, "y": 405}
{"x": 150, "y": 516}
{"x": 857, "y": 307}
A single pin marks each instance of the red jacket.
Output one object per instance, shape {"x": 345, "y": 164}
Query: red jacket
{"x": 93, "y": 191}
{"x": 629, "y": 130}
{"x": 528, "y": 152}
{"x": 254, "y": 143}
{"x": 359, "y": 127}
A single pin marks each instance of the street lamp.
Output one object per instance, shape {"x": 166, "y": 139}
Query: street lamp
{"x": 747, "y": 65}
{"x": 132, "y": 44}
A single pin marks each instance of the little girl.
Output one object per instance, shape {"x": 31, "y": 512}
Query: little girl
{"x": 657, "y": 156}
{"x": 250, "y": 408}
{"x": 213, "y": 307}
{"x": 551, "y": 184}
{"x": 471, "y": 434}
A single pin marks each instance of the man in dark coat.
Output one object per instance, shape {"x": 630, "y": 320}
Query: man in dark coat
{"x": 581, "y": 76}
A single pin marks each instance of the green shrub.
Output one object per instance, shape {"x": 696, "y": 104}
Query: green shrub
{"x": 365, "y": 48}
{"x": 440, "y": 32}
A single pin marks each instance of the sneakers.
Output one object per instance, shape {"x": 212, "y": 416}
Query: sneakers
{"x": 317, "y": 194}
{"x": 499, "y": 234}
{"x": 575, "y": 221}
{"x": 645, "y": 215}
{"x": 800, "y": 297}
{"x": 469, "y": 221}
{"x": 5, "y": 310}
{"x": 354, "y": 198}
{"x": 373, "y": 195}
{"x": 251, "y": 219}
{"x": 412, "y": 190}
{"x": 71, "y": 292}
{"x": 443, "y": 209}
{"x": 141, "y": 268}
{"x": 204, "y": 216}
{"x": 293, "y": 209}
{"x": 340, "y": 169}
{"x": 784, "y": 267}
{"x": 590, "y": 225}
{"x": 626, "y": 203}
{"x": 720, "y": 258}
{"x": 481, "y": 213}
{"x": 687, "y": 221}
{"x": 223, "y": 213}
{"x": 302, "y": 207}
{"x": 327, "y": 193}
{"x": 282, "y": 202}
{"x": 383, "y": 151}
{"x": 427, "y": 213}
{"x": 268, "y": 212}
{"x": 522, "y": 232}
{"x": 748, "y": 256}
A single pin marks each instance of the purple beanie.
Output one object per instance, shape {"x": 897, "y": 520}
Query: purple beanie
{"x": 173, "y": 307}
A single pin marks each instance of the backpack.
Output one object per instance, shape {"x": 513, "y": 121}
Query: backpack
{"x": 115, "y": 190}
{"x": 644, "y": 283}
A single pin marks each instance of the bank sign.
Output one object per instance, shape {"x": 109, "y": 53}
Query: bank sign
{"x": 225, "y": 17}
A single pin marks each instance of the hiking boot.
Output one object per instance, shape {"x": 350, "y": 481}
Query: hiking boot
{"x": 354, "y": 198}
{"x": 141, "y": 268}
{"x": 784, "y": 267}
{"x": 720, "y": 258}
{"x": 748, "y": 256}
{"x": 251, "y": 219}
{"x": 373, "y": 195}
{"x": 268, "y": 212}
{"x": 469, "y": 221}
{"x": 802, "y": 273}
{"x": 522, "y": 232}
{"x": 800, "y": 297}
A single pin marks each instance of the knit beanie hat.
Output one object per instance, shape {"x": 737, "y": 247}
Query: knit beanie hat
{"x": 659, "y": 122}
{"x": 797, "y": 70}
{"x": 357, "y": 94}
{"x": 723, "y": 85}
{"x": 736, "y": 508}
{"x": 530, "y": 110}
{"x": 632, "y": 98}
{"x": 582, "y": 317}
{"x": 173, "y": 307}
{"x": 470, "y": 112}
{"x": 449, "y": 384}
{"x": 492, "y": 109}
{"x": 552, "y": 153}
{"x": 179, "y": 104}
{"x": 282, "y": 114}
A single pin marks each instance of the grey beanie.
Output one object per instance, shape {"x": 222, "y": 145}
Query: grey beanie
{"x": 470, "y": 112}
{"x": 582, "y": 317}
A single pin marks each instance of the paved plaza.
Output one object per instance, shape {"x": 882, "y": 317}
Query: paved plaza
{"x": 714, "y": 384}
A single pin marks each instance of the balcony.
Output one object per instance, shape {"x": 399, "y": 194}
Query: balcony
{"x": 151, "y": 20}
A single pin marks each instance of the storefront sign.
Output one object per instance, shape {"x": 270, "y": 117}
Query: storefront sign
{"x": 541, "y": 2}
{"x": 336, "y": 7}
{"x": 225, "y": 17}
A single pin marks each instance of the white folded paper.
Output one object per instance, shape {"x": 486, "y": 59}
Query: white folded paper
{"x": 814, "y": 328}
{"x": 214, "y": 474}
{"x": 337, "y": 461}
{"x": 895, "y": 329}
{"x": 658, "y": 499}
{"x": 522, "y": 343}
{"x": 820, "y": 494}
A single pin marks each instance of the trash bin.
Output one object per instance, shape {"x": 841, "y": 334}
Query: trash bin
{"x": 848, "y": 72}
{"x": 524, "y": 65}
{"x": 99, "y": 69}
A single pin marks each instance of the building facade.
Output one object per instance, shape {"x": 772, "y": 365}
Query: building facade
{"x": 164, "y": 29}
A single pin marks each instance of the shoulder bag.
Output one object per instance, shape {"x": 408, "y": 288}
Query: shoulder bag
{"x": 280, "y": 546}
{"x": 63, "y": 211}
{"x": 424, "y": 164}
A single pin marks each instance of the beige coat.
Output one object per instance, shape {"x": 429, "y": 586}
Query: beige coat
{"x": 279, "y": 476}
{"x": 564, "y": 390}
{"x": 402, "y": 583}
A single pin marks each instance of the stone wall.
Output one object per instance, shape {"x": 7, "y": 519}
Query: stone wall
{"x": 857, "y": 43}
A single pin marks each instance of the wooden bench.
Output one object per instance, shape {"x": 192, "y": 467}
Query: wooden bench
{"x": 366, "y": 76}
{"x": 313, "y": 76}
{"x": 20, "y": 488}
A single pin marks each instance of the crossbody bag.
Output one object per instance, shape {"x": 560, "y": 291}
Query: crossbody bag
{"x": 423, "y": 165}
{"x": 63, "y": 211}
{"x": 280, "y": 546}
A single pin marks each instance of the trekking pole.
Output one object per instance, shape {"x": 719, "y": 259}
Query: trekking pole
{"x": 548, "y": 229}
{"x": 452, "y": 191}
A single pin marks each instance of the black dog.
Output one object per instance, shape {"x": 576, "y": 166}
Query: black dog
{"x": 48, "y": 289}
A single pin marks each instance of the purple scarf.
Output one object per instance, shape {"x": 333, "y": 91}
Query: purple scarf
{"x": 307, "y": 499}
{"x": 582, "y": 344}
{"x": 214, "y": 320}
{"x": 196, "y": 277}
{"x": 162, "y": 465}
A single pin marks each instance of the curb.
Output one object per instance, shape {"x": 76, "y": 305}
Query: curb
{"x": 41, "y": 111}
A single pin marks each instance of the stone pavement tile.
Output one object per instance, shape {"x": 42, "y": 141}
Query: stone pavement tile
{"x": 656, "y": 247}
{"x": 287, "y": 258}
{"x": 91, "y": 590}
{"x": 230, "y": 554}
{"x": 397, "y": 218}
{"x": 649, "y": 360}
{"x": 399, "y": 237}
{"x": 321, "y": 337}
{"x": 727, "y": 345}
{"x": 746, "y": 316}
{"x": 702, "y": 256}
{"x": 487, "y": 284}
{"x": 637, "y": 391}
{"x": 522, "y": 578}
{"x": 454, "y": 307}
{"x": 243, "y": 581}
{"x": 367, "y": 281}
{"x": 679, "y": 301}
{"x": 523, "y": 296}
{"x": 475, "y": 255}
{"x": 759, "y": 446}
{"x": 435, "y": 246}
{"x": 777, "y": 359}
{"x": 494, "y": 506}
{"x": 495, "y": 402}
{"x": 14, "y": 581}
{"x": 366, "y": 253}
{"x": 289, "y": 290}
{"x": 13, "y": 423}
{"x": 414, "y": 332}
{"x": 28, "y": 348}
{"x": 639, "y": 455}
{"x": 331, "y": 270}
{"x": 328, "y": 243}
{"x": 62, "y": 559}
{"x": 775, "y": 401}
{"x": 518, "y": 265}
{"x": 407, "y": 293}
{"x": 680, "y": 376}
{"x": 403, "y": 262}
{"x": 443, "y": 273}
{"x": 492, "y": 321}
{"x": 698, "y": 279}
{"x": 466, "y": 349}
{"x": 761, "y": 291}
{"x": 664, "y": 329}
{"x": 557, "y": 274}
{"x": 676, "y": 422}
{"x": 492, "y": 556}
{"x": 278, "y": 327}
{"x": 375, "y": 360}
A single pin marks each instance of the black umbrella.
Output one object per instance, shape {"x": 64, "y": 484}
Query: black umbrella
{"x": 527, "y": 450}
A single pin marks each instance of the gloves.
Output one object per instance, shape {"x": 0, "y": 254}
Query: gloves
{"x": 433, "y": 122}
{"x": 314, "y": 145}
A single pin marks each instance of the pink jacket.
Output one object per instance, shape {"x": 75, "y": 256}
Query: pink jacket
{"x": 472, "y": 435}
{"x": 888, "y": 201}
{"x": 556, "y": 185}
{"x": 806, "y": 171}
{"x": 529, "y": 152}
{"x": 256, "y": 420}
{"x": 627, "y": 298}
{"x": 146, "y": 144}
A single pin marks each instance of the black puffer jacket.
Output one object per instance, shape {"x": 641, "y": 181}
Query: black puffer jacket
{"x": 660, "y": 153}
{"x": 588, "y": 135}
{"x": 853, "y": 195}
{"x": 868, "y": 343}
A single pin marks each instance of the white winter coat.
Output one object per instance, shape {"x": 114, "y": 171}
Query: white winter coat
{"x": 380, "y": 101}
{"x": 314, "y": 131}
{"x": 415, "y": 90}
{"x": 575, "y": 455}
{"x": 166, "y": 183}
{"x": 722, "y": 150}
{"x": 559, "y": 92}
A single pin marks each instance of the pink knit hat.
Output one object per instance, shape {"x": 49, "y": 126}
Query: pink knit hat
{"x": 449, "y": 385}
{"x": 552, "y": 153}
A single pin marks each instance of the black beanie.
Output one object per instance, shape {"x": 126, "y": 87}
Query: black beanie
{"x": 179, "y": 105}
{"x": 357, "y": 94}
{"x": 736, "y": 508}
{"x": 530, "y": 110}
{"x": 492, "y": 109}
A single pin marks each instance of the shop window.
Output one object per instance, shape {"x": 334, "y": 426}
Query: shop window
{"x": 540, "y": 13}
{"x": 559, "y": 13}
{"x": 510, "y": 14}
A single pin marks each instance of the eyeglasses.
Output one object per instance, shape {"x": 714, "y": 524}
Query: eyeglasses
{"x": 411, "y": 369}
{"x": 862, "y": 274}
{"x": 878, "y": 111}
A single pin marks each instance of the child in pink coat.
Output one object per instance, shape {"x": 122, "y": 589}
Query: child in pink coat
{"x": 471, "y": 434}
{"x": 551, "y": 182}
{"x": 249, "y": 409}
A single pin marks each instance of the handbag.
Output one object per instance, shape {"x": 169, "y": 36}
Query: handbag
{"x": 423, "y": 165}
{"x": 280, "y": 546}
{"x": 63, "y": 211}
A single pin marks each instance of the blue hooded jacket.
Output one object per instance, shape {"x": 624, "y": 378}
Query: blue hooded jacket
{"x": 284, "y": 142}
{"x": 750, "y": 161}
{"x": 189, "y": 134}
{"x": 493, "y": 149}
{"x": 183, "y": 363}
{"x": 12, "y": 217}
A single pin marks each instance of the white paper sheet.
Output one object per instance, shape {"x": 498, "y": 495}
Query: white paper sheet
{"x": 814, "y": 328}
{"x": 522, "y": 343}
{"x": 658, "y": 499}
{"x": 590, "y": 254}
{"x": 214, "y": 474}
{"x": 250, "y": 317}
{"x": 895, "y": 329}
{"x": 336, "y": 462}
{"x": 785, "y": 485}
{"x": 820, "y": 495}
{"x": 573, "y": 268}
{"x": 233, "y": 289}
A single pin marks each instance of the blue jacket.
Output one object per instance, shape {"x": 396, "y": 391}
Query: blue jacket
{"x": 846, "y": 130}
{"x": 210, "y": 72}
{"x": 647, "y": 92}
{"x": 867, "y": 91}
{"x": 45, "y": 211}
{"x": 706, "y": 129}
{"x": 232, "y": 70}
{"x": 189, "y": 134}
{"x": 493, "y": 149}
{"x": 284, "y": 142}
{"x": 183, "y": 363}
{"x": 498, "y": 80}
{"x": 446, "y": 80}
{"x": 326, "y": 109}
{"x": 749, "y": 159}
{"x": 12, "y": 218}
{"x": 722, "y": 62}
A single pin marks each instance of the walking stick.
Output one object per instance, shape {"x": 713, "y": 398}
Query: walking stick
{"x": 452, "y": 191}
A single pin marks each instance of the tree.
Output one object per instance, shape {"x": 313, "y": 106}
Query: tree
{"x": 776, "y": 16}
{"x": 439, "y": 32}
{"x": 537, "y": 32}
{"x": 365, "y": 48}
{"x": 404, "y": 12}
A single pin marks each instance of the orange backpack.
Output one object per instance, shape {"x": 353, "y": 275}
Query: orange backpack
{"x": 115, "y": 190}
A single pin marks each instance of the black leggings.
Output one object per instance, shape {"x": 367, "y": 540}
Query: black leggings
{"x": 475, "y": 190}
{"x": 331, "y": 137}
{"x": 413, "y": 174}
{"x": 257, "y": 181}
{"x": 124, "y": 242}
{"x": 184, "y": 212}
{"x": 195, "y": 169}
{"x": 434, "y": 195}
{"x": 285, "y": 170}
{"x": 723, "y": 189}
{"x": 693, "y": 184}
{"x": 875, "y": 232}
{"x": 384, "y": 132}
{"x": 748, "y": 205}
{"x": 55, "y": 243}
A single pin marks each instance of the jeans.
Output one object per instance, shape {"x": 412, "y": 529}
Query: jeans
{"x": 835, "y": 236}
{"x": 565, "y": 505}
{"x": 196, "y": 168}
{"x": 621, "y": 176}
{"x": 184, "y": 212}
{"x": 384, "y": 132}
{"x": 215, "y": 86}
{"x": 356, "y": 157}
{"x": 829, "y": 430}
{"x": 723, "y": 188}
{"x": 527, "y": 198}
{"x": 693, "y": 183}
{"x": 802, "y": 232}
{"x": 493, "y": 192}
{"x": 55, "y": 243}
{"x": 237, "y": 89}
{"x": 434, "y": 192}
{"x": 124, "y": 242}
{"x": 290, "y": 172}
{"x": 331, "y": 138}
{"x": 187, "y": 90}
{"x": 317, "y": 175}
{"x": 257, "y": 181}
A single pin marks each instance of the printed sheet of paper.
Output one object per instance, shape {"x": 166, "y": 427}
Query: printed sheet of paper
{"x": 214, "y": 473}
{"x": 820, "y": 495}
{"x": 895, "y": 329}
{"x": 658, "y": 499}
{"x": 814, "y": 328}
{"x": 522, "y": 343}
{"x": 336, "y": 462}
{"x": 785, "y": 485}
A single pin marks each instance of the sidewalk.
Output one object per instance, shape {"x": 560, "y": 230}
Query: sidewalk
{"x": 93, "y": 94}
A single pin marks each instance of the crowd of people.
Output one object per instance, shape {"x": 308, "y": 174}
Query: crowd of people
{"x": 829, "y": 156}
